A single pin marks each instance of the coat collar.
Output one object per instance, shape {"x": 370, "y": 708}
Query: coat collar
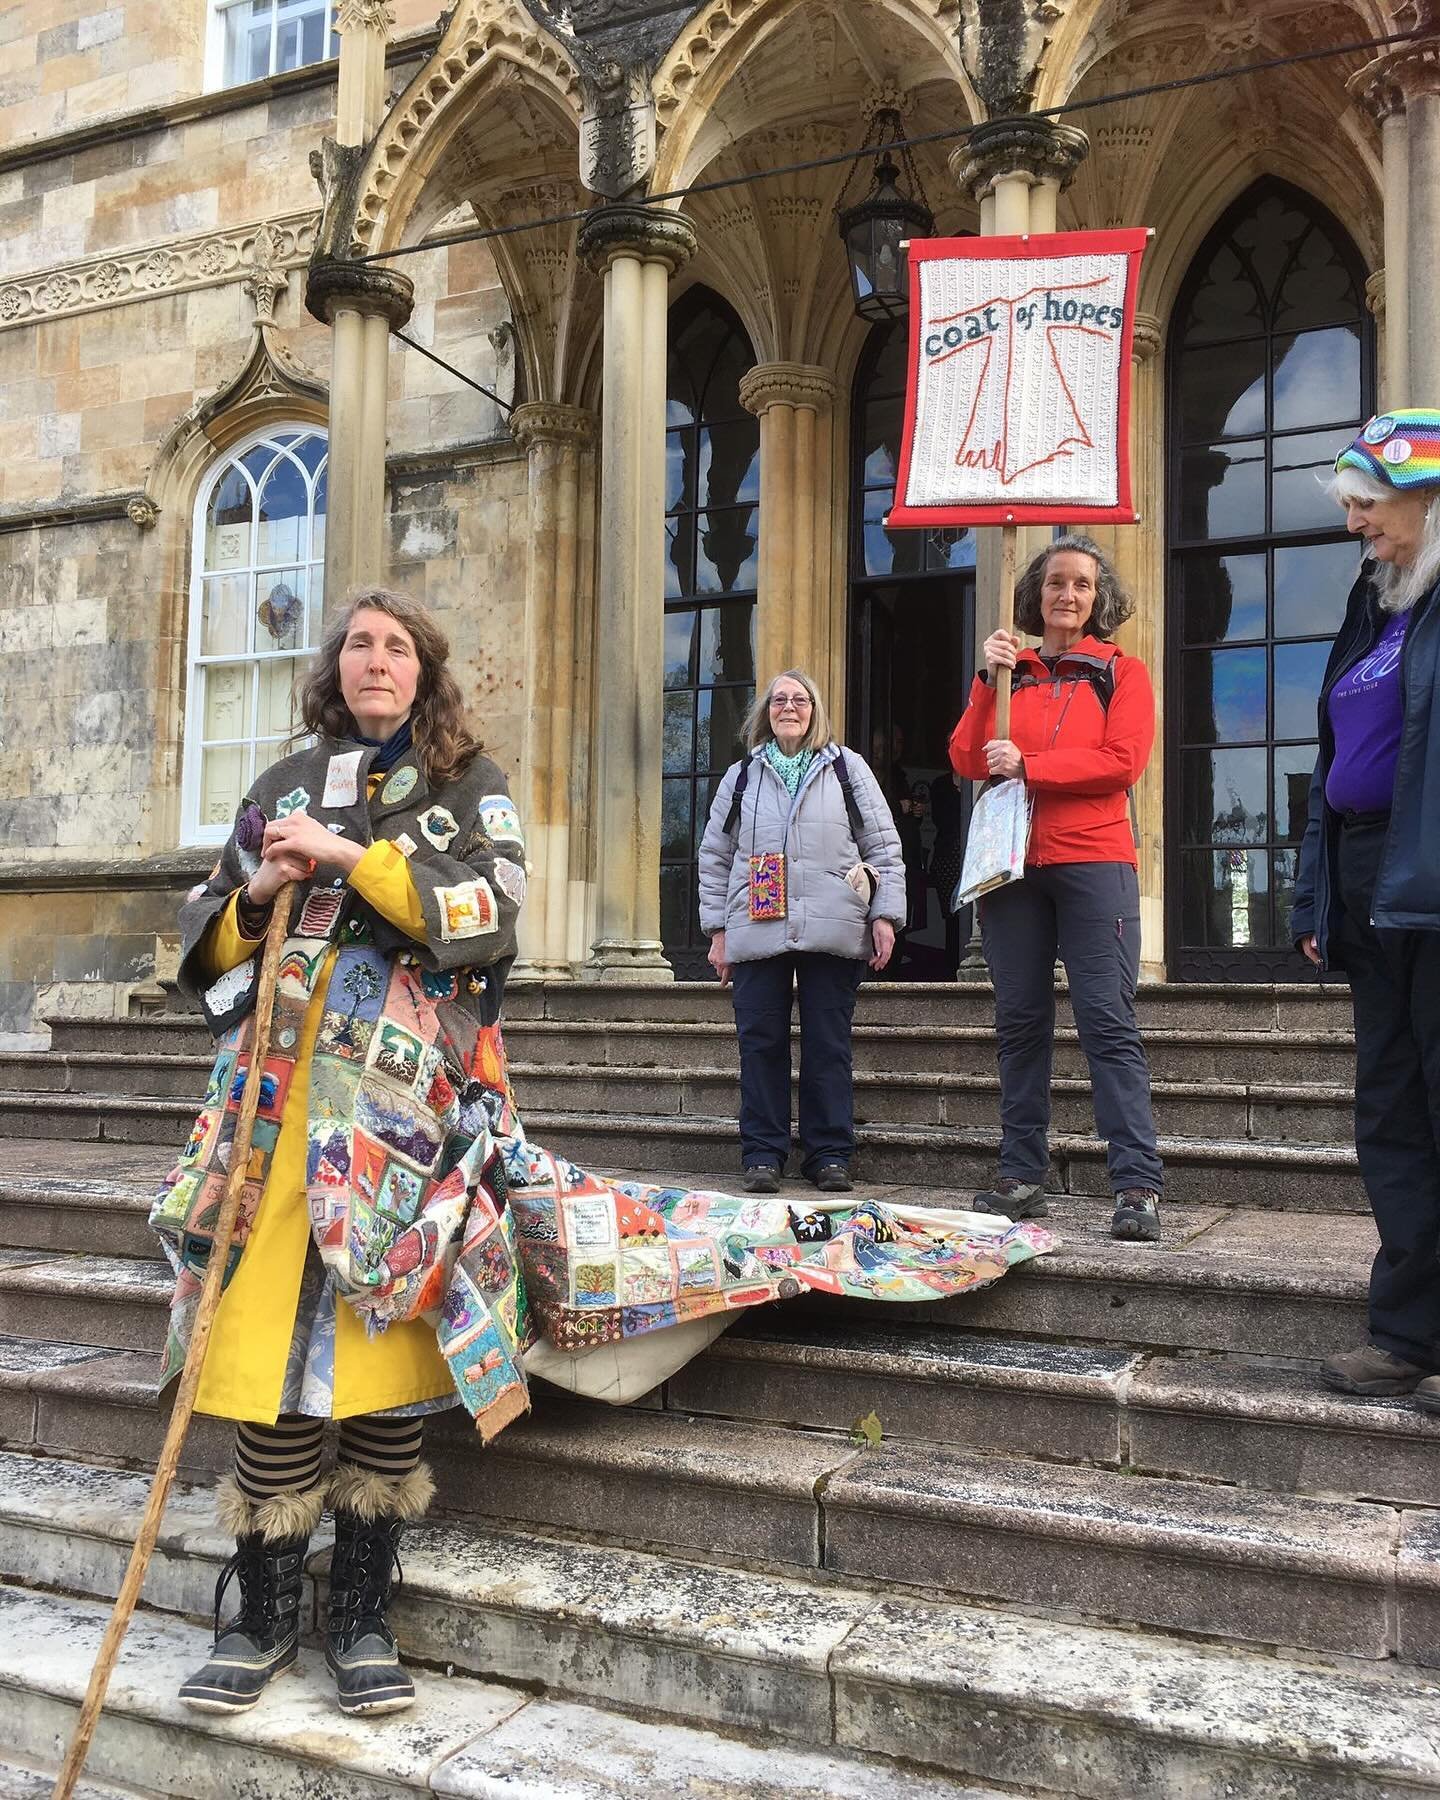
{"x": 1087, "y": 651}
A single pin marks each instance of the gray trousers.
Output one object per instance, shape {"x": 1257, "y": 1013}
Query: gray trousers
{"x": 1088, "y": 913}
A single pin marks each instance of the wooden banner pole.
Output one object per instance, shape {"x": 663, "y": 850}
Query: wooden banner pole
{"x": 1007, "y": 623}
{"x": 194, "y": 1359}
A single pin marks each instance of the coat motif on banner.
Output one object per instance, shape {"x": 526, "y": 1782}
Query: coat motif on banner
{"x": 1019, "y": 380}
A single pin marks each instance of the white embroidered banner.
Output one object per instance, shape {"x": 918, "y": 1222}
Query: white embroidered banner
{"x": 1018, "y": 397}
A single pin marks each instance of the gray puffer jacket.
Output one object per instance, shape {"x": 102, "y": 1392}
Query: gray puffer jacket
{"x": 823, "y": 911}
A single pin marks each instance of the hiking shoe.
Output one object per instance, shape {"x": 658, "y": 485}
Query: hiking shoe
{"x": 762, "y": 1179}
{"x": 832, "y": 1178}
{"x": 1371, "y": 1370}
{"x": 1136, "y": 1216}
{"x": 1015, "y": 1199}
{"x": 1427, "y": 1394}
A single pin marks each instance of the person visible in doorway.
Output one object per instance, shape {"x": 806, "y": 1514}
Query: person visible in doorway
{"x": 1367, "y": 896}
{"x": 1082, "y": 726}
{"x": 802, "y": 885}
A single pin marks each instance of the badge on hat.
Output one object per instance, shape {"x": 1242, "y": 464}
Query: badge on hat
{"x": 1398, "y": 450}
{"x": 1378, "y": 430}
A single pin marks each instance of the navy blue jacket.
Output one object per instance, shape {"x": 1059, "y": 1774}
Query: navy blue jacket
{"x": 1407, "y": 888}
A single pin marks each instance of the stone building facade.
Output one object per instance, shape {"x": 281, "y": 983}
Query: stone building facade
{"x": 677, "y": 480}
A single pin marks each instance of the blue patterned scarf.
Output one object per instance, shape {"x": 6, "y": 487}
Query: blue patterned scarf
{"x": 790, "y": 769}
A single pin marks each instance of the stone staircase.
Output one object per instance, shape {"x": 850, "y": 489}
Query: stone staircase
{"x": 1117, "y": 1540}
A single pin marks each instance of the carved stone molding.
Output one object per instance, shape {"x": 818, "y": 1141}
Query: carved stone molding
{"x": 787, "y": 384}
{"x": 142, "y": 512}
{"x": 553, "y": 422}
{"x": 1145, "y": 338}
{"x": 139, "y": 508}
{"x": 359, "y": 287}
{"x": 269, "y": 373}
{"x": 364, "y": 15}
{"x": 652, "y": 233}
{"x": 1039, "y": 148}
{"x": 177, "y": 266}
{"x": 1375, "y": 293}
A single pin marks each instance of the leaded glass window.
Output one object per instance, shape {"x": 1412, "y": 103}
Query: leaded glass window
{"x": 255, "y": 605}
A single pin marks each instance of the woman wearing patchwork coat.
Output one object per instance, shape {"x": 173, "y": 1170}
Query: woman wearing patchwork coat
{"x": 401, "y": 1243}
{"x": 408, "y": 863}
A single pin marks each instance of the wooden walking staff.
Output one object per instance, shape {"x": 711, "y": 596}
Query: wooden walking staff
{"x": 194, "y": 1358}
{"x": 1004, "y": 676}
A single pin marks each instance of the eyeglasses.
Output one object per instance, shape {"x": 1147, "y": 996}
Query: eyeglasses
{"x": 789, "y": 702}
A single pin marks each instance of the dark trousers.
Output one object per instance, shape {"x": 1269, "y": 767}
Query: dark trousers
{"x": 1090, "y": 914}
{"x": 763, "y": 998}
{"x": 1395, "y": 989}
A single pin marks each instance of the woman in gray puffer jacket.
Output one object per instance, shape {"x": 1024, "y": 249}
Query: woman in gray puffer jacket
{"x": 801, "y": 885}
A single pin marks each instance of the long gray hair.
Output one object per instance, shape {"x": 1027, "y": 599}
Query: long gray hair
{"x": 1113, "y": 605}
{"x": 1398, "y": 589}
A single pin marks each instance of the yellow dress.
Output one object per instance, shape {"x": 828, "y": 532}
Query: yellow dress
{"x": 245, "y": 1363}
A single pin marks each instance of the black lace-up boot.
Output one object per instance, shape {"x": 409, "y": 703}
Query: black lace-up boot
{"x": 371, "y": 1512}
{"x": 271, "y": 1539}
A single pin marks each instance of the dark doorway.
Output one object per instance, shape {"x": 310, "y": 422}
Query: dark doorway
{"x": 911, "y": 654}
{"x": 1271, "y": 372}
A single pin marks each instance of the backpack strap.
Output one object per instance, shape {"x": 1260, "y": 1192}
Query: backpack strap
{"x": 852, "y": 806}
{"x": 732, "y": 818}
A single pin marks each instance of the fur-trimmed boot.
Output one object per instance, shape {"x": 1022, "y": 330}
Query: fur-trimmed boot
{"x": 259, "y": 1643}
{"x": 371, "y": 1511}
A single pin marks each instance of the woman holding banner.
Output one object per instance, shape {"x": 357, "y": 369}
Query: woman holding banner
{"x": 1082, "y": 727}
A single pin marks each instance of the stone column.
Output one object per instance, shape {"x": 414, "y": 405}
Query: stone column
{"x": 558, "y": 442}
{"x": 636, "y": 249}
{"x": 1421, "y": 76}
{"x": 361, "y": 303}
{"x": 1388, "y": 289}
{"x": 363, "y": 27}
{"x": 1139, "y": 556}
{"x": 793, "y": 402}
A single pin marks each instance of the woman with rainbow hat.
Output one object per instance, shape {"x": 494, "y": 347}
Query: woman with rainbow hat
{"x": 1367, "y": 898}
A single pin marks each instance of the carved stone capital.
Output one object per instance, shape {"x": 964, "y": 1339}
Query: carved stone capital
{"x": 1039, "y": 148}
{"x": 1375, "y": 293}
{"x": 364, "y": 15}
{"x": 332, "y": 285}
{"x": 647, "y": 233}
{"x": 786, "y": 384}
{"x": 1145, "y": 338}
{"x": 1384, "y": 87}
{"x": 552, "y": 422}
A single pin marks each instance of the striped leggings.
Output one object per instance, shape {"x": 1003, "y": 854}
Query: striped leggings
{"x": 285, "y": 1457}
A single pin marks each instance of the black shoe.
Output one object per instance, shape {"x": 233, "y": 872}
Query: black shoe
{"x": 261, "y": 1641}
{"x": 832, "y": 1178}
{"x": 360, "y": 1647}
{"x": 1137, "y": 1216}
{"x": 1373, "y": 1371}
{"x": 761, "y": 1178}
{"x": 1013, "y": 1199}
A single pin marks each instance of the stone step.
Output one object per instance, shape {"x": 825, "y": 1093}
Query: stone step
{"x": 1259, "y": 1111}
{"x": 465, "y": 1739}
{"x": 31, "y": 1781}
{"x": 1293, "y": 1059}
{"x": 1263, "y": 1111}
{"x": 1044, "y": 1706}
{"x": 1302, "y": 1177}
{"x": 106, "y": 1302}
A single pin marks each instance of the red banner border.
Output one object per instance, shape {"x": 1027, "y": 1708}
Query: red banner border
{"x": 1130, "y": 243}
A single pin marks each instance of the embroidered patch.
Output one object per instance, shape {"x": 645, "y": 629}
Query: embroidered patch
{"x": 342, "y": 780}
{"x": 438, "y": 827}
{"x": 297, "y": 800}
{"x": 397, "y": 1053}
{"x": 319, "y": 913}
{"x": 336, "y": 827}
{"x": 398, "y": 787}
{"x": 466, "y": 911}
{"x": 224, "y": 994}
{"x": 405, "y": 844}
{"x": 510, "y": 878}
{"x": 500, "y": 819}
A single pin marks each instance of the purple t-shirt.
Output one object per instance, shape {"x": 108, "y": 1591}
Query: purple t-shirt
{"x": 1366, "y": 715}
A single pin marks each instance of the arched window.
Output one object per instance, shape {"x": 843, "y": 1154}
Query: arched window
{"x": 1271, "y": 371}
{"x": 255, "y": 602}
{"x": 712, "y": 530}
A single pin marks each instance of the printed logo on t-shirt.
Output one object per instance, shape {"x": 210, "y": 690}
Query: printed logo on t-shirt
{"x": 1384, "y": 659}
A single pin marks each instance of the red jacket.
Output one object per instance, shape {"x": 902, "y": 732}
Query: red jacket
{"x": 1081, "y": 759}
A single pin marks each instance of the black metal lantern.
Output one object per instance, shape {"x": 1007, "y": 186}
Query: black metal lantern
{"x": 874, "y": 229}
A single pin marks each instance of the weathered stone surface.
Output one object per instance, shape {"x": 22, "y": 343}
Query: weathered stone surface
{"x": 110, "y": 1301}
{"x": 1127, "y": 1717}
{"x": 939, "y": 1386}
{"x": 1417, "y": 1580}
{"x": 1252, "y": 1567}
{"x": 1280, "y": 1429}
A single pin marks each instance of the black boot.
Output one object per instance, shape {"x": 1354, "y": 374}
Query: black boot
{"x": 370, "y": 1515}
{"x": 259, "y": 1643}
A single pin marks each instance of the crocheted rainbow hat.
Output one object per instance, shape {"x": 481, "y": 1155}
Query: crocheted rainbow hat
{"x": 1399, "y": 448}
